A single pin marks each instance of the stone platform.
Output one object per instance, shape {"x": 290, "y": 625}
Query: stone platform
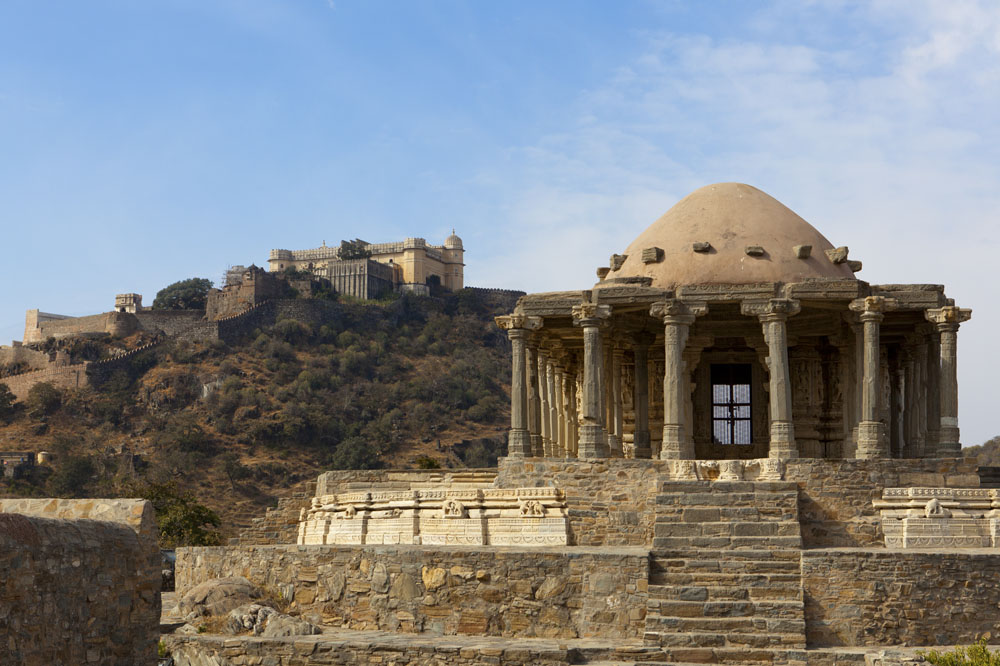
{"x": 363, "y": 648}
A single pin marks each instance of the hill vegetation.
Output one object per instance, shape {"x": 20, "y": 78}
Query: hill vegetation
{"x": 234, "y": 426}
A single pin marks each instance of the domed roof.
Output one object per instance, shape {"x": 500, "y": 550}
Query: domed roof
{"x": 752, "y": 237}
{"x": 453, "y": 242}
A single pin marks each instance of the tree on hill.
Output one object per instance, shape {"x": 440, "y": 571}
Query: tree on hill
{"x": 7, "y": 400}
{"x": 355, "y": 249}
{"x": 988, "y": 452}
{"x": 189, "y": 294}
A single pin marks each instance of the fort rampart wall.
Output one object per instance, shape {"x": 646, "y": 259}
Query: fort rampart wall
{"x": 80, "y": 584}
{"x": 444, "y": 590}
{"x": 64, "y": 376}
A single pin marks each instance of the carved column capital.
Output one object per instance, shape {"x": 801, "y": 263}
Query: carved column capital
{"x": 591, "y": 314}
{"x": 872, "y": 308}
{"x": 676, "y": 311}
{"x": 775, "y": 309}
{"x": 518, "y": 321}
{"x": 948, "y": 317}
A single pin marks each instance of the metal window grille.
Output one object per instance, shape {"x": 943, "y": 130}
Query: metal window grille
{"x": 731, "y": 407}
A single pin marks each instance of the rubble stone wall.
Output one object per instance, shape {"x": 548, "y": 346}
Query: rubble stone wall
{"x": 77, "y": 590}
{"x": 170, "y": 322}
{"x": 880, "y": 597}
{"x": 444, "y": 590}
{"x": 836, "y": 496}
{"x": 609, "y": 502}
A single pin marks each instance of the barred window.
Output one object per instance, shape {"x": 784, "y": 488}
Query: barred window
{"x": 731, "y": 408}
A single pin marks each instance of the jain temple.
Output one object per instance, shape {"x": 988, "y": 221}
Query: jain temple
{"x": 729, "y": 450}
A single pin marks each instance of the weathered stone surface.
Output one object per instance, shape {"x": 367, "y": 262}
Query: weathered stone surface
{"x": 75, "y": 589}
{"x": 493, "y": 591}
{"x": 279, "y": 625}
{"x": 216, "y": 596}
{"x": 879, "y": 597}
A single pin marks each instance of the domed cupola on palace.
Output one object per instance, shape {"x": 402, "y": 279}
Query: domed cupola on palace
{"x": 732, "y": 328}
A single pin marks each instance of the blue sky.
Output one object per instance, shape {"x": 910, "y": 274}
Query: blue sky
{"x": 146, "y": 142}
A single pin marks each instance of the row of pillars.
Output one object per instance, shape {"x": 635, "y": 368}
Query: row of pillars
{"x": 550, "y": 425}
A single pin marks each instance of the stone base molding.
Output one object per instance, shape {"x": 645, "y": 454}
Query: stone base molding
{"x": 489, "y": 516}
{"x": 940, "y": 517}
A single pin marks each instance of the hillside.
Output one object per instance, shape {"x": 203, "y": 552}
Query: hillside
{"x": 415, "y": 381}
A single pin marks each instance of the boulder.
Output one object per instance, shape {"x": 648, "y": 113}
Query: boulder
{"x": 216, "y": 597}
{"x": 285, "y": 625}
{"x": 248, "y": 617}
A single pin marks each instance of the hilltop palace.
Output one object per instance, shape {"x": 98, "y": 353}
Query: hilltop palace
{"x": 412, "y": 265}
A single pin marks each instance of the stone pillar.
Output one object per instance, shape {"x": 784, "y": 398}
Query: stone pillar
{"x": 872, "y": 441}
{"x": 517, "y": 326}
{"x": 558, "y": 418}
{"x": 543, "y": 405}
{"x": 534, "y": 400}
{"x": 593, "y": 438}
{"x": 641, "y": 342}
{"x": 947, "y": 320}
{"x": 572, "y": 414}
{"x": 933, "y": 396}
{"x": 773, "y": 316}
{"x": 550, "y": 385}
{"x": 677, "y": 318}
{"x": 617, "y": 438}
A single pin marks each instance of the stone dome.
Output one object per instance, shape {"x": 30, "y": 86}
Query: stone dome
{"x": 752, "y": 237}
{"x": 453, "y": 242}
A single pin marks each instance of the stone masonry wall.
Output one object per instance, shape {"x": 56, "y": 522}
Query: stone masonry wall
{"x": 280, "y": 525}
{"x": 444, "y": 590}
{"x": 76, "y": 590}
{"x": 610, "y": 502}
{"x": 835, "y": 496}
{"x": 170, "y": 322}
{"x": 870, "y": 597}
{"x": 613, "y": 501}
{"x": 355, "y": 651}
{"x": 65, "y": 376}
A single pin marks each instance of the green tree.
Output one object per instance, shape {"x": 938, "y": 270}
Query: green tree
{"x": 7, "y": 400}
{"x": 189, "y": 294}
{"x": 234, "y": 468}
{"x": 43, "y": 398}
{"x": 182, "y": 520}
{"x": 71, "y": 476}
{"x": 355, "y": 249}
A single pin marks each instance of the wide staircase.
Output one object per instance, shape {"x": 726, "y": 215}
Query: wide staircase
{"x": 725, "y": 572}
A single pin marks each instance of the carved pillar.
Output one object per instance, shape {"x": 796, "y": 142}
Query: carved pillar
{"x": 616, "y": 433}
{"x": 543, "y": 405}
{"x": 919, "y": 351}
{"x": 677, "y": 318}
{"x": 519, "y": 440}
{"x": 933, "y": 402}
{"x": 947, "y": 320}
{"x": 641, "y": 342}
{"x": 550, "y": 385}
{"x": 534, "y": 400}
{"x": 773, "y": 316}
{"x": 872, "y": 441}
{"x": 593, "y": 438}
{"x": 559, "y": 415}
{"x": 574, "y": 414}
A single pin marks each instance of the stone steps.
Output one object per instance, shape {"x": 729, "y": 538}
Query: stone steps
{"x": 725, "y": 572}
